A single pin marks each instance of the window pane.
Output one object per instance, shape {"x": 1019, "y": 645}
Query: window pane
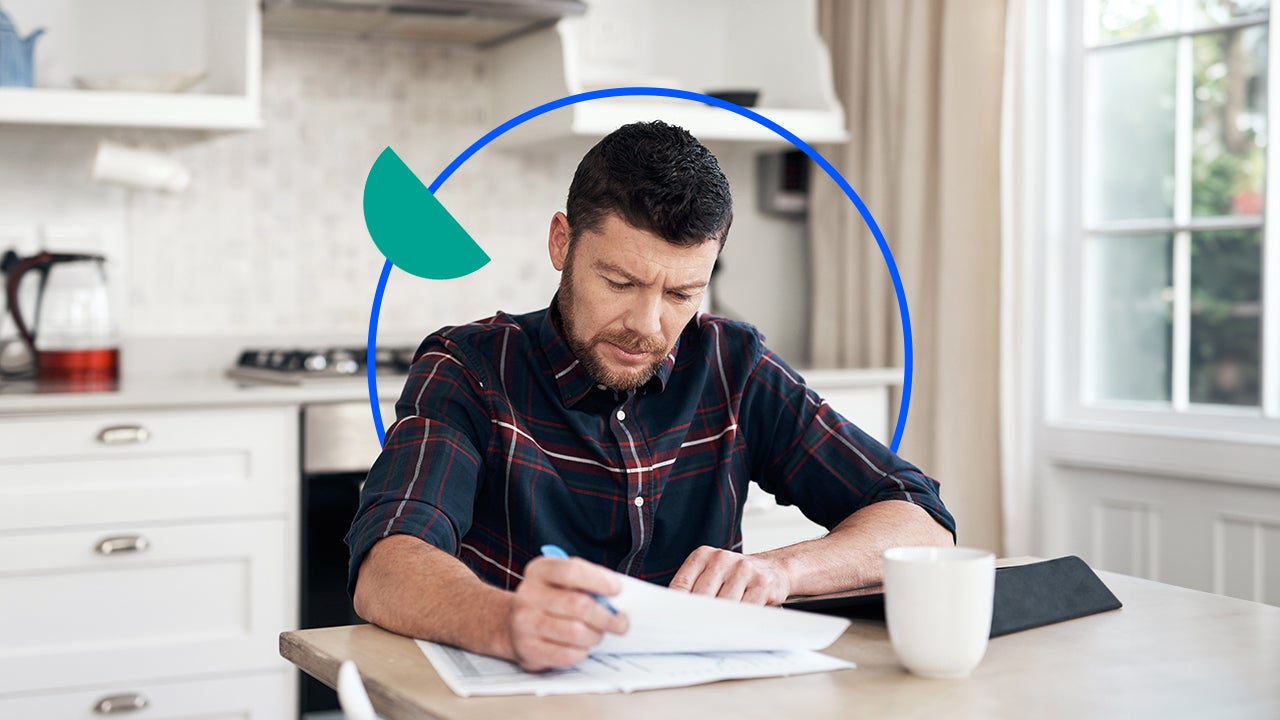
{"x": 1230, "y": 131}
{"x": 1226, "y": 329}
{"x": 1216, "y": 12}
{"x": 1122, "y": 19}
{"x": 1132, "y": 332}
{"x": 1129, "y": 132}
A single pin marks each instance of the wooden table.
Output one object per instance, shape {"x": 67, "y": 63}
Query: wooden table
{"x": 1170, "y": 652}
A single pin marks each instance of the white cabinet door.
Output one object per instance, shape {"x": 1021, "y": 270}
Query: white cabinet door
{"x": 263, "y": 696}
{"x": 147, "y": 466}
{"x": 77, "y": 608}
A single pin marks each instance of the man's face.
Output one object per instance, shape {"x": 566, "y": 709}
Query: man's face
{"x": 625, "y": 296}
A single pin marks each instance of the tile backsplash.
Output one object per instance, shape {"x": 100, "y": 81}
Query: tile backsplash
{"x": 270, "y": 236}
{"x": 269, "y": 241}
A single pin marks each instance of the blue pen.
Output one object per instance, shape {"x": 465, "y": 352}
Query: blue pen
{"x": 557, "y": 552}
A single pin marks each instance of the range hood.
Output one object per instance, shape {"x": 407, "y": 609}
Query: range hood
{"x": 472, "y": 22}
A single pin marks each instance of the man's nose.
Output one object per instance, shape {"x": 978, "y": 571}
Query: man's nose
{"x": 645, "y": 318}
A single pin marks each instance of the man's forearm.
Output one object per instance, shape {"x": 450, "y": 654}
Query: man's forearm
{"x": 851, "y": 554}
{"x": 412, "y": 588}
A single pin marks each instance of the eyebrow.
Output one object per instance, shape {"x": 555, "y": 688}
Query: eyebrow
{"x": 611, "y": 268}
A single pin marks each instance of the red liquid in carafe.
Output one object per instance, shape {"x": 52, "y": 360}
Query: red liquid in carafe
{"x": 90, "y": 370}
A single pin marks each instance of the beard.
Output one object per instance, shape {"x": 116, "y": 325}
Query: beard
{"x": 588, "y": 350}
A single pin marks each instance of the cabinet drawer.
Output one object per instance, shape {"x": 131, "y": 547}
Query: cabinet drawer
{"x": 266, "y": 696}
{"x": 146, "y": 466}
{"x": 196, "y": 598}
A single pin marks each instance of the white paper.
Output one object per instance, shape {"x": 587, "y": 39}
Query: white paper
{"x": 676, "y": 639}
{"x": 665, "y": 621}
{"x": 469, "y": 674}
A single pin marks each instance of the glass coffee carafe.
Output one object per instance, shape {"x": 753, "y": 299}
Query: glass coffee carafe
{"x": 71, "y": 334}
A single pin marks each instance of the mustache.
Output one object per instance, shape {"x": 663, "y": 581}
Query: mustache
{"x": 631, "y": 343}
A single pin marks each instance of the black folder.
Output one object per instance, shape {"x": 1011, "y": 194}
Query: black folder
{"x": 1026, "y": 596}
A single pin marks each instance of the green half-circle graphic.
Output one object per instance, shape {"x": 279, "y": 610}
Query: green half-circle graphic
{"x": 412, "y": 228}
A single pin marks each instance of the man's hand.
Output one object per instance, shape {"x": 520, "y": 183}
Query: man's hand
{"x": 733, "y": 576}
{"x": 554, "y": 621}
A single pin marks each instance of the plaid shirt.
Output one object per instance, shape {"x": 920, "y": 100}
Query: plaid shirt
{"x": 503, "y": 443}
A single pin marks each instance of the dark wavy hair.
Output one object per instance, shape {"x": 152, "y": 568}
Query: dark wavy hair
{"x": 657, "y": 178}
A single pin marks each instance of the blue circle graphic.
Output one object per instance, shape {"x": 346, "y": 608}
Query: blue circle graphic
{"x": 787, "y": 135}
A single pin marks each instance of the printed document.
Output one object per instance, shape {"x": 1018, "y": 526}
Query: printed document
{"x": 676, "y": 639}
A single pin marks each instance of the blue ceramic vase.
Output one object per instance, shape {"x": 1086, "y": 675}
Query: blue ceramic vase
{"x": 16, "y": 52}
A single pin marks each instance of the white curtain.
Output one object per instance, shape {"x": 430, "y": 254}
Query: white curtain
{"x": 921, "y": 83}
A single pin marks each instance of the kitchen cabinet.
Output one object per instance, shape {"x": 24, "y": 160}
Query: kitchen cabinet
{"x": 145, "y": 467}
{"x": 769, "y": 46}
{"x": 136, "y": 49}
{"x": 253, "y": 697}
{"x": 148, "y": 553}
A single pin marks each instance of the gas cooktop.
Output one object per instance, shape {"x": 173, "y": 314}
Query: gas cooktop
{"x": 293, "y": 366}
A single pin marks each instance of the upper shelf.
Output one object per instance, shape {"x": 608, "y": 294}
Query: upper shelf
{"x": 139, "y": 41}
{"x": 597, "y": 118}
{"x": 46, "y": 106}
{"x": 713, "y": 45}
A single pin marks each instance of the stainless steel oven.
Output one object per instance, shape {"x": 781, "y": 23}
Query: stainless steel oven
{"x": 338, "y": 446}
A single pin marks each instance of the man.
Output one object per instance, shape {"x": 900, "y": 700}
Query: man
{"x": 622, "y": 425}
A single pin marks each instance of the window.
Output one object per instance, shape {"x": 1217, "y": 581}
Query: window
{"x": 1178, "y": 269}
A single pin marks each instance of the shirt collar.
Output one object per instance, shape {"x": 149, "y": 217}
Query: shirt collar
{"x": 570, "y": 376}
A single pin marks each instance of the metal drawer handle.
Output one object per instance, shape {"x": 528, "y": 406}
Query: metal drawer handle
{"x": 124, "y": 435}
{"x": 120, "y": 704}
{"x": 122, "y": 544}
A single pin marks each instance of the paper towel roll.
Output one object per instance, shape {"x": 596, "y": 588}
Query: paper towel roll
{"x": 138, "y": 168}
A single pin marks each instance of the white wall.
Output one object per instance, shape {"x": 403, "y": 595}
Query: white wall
{"x": 764, "y": 269}
{"x": 270, "y": 240}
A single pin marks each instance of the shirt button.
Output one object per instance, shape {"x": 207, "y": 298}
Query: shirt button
{"x": 639, "y": 501}
{"x": 622, "y": 416}
{"x": 600, "y": 386}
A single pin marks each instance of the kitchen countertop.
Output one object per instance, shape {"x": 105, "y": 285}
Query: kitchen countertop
{"x": 193, "y": 392}
{"x": 216, "y": 390}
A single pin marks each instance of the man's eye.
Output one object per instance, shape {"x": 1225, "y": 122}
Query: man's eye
{"x": 681, "y": 297}
{"x": 618, "y": 285}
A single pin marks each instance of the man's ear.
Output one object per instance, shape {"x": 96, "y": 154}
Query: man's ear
{"x": 558, "y": 240}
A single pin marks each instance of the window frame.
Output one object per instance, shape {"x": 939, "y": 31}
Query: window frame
{"x": 1067, "y": 289}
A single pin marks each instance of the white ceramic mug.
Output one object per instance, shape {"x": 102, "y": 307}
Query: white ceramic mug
{"x": 937, "y": 603}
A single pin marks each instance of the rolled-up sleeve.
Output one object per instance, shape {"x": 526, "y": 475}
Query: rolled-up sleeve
{"x": 425, "y": 481}
{"x": 806, "y": 454}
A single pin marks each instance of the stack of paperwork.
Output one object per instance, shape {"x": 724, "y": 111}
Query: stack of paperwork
{"x": 676, "y": 639}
